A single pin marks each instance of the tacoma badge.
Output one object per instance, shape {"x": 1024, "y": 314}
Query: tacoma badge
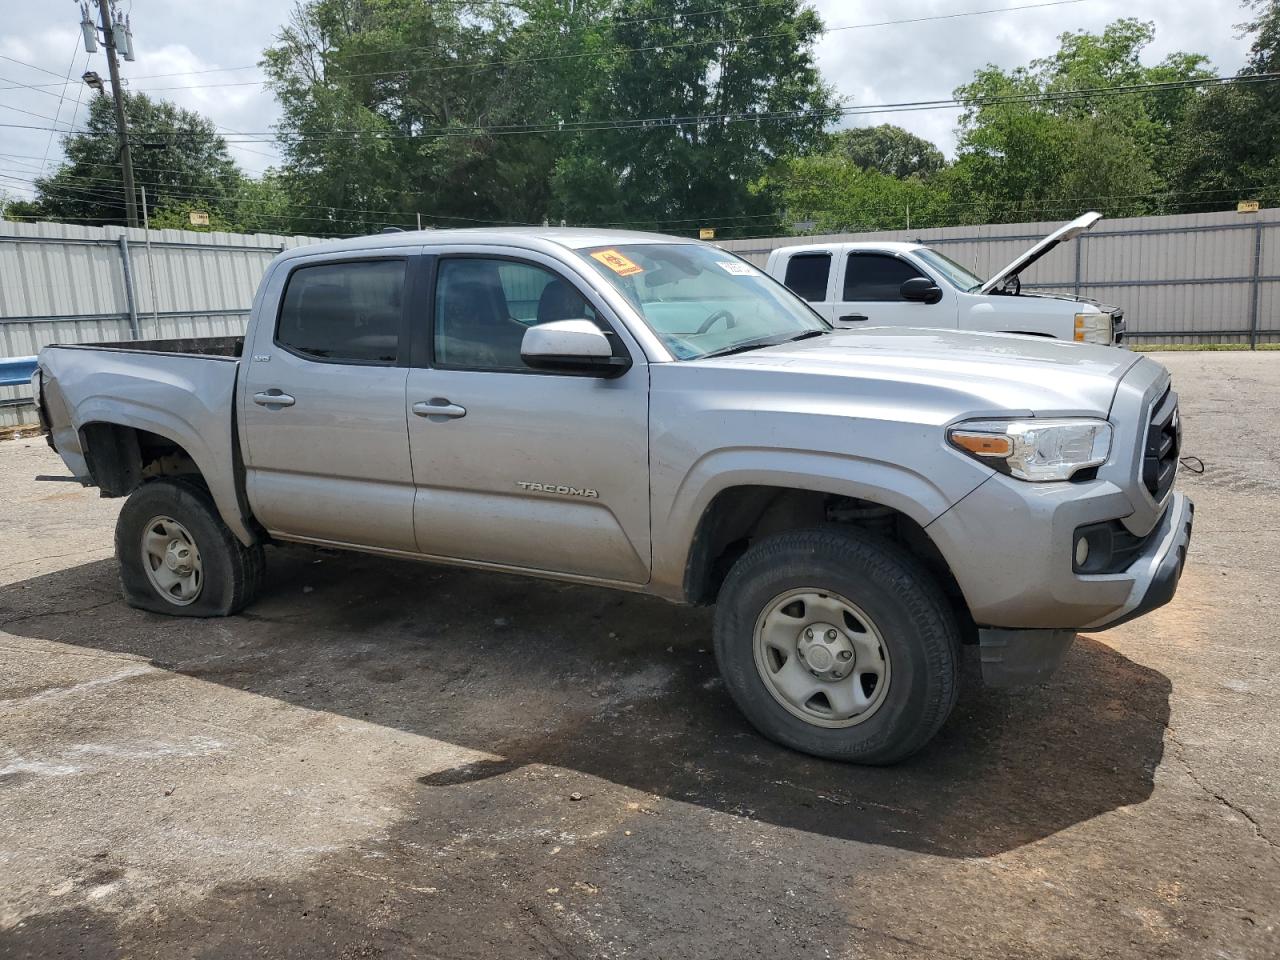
{"x": 560, "y": 488}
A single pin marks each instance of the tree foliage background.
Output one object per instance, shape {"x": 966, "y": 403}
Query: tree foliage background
{"x": 671, "y": 115}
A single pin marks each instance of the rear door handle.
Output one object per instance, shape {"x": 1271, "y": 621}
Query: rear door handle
{"x": 273, "y": 398}
{"x": 853, "y": 317}
{"x": 438, "y": 408}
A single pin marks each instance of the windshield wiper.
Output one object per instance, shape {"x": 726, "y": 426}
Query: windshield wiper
{"x": 746, "y": 345}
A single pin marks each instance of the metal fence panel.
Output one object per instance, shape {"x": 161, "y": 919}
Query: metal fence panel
{"x": 62, "y": 283}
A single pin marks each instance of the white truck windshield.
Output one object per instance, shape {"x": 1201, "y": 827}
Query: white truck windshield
{"x": 956, "y": 275}
{"x": 699, "y": 300}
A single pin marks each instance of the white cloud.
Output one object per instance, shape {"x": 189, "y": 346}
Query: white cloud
{"x": 924, "y": 61}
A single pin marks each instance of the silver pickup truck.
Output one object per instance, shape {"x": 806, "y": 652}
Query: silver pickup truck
{"x": 655, "y": 415}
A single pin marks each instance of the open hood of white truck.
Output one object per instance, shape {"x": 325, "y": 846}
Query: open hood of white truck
{"x": 1064, "y": 233}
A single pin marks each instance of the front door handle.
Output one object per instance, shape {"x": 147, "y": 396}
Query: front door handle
{"x": 853, "y": 317}
{"x": 273, "y": 398}
{"x": 439, "y": 409}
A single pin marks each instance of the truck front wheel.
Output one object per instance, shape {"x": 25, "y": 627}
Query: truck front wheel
{"x": 177, "y": 556}
{"x": 838, "y": 643}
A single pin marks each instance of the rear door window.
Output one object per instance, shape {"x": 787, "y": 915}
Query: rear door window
{"x": 807, "y": 275}
{"x": 351, "y": 311}
{"x": 876, "y": 276}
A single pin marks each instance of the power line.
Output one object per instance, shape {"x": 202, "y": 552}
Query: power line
{"x": 652, "y": 123}
{"x": 69, "y": 191}
{"x": 1024, "y": 205}
{"x": 33, "y": 66}
{"x": 648, "y": 123}
{"x": 179, "y": 193}
{"x": 19, "y": 85}
{"x": 30, "y": 113}
{"x": 75, "y": 48}
{"x": 75, "y": 111}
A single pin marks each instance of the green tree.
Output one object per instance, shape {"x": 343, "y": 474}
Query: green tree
{"x": 838, "y": 195}
{"x": 176, "y": 154}
{"x": 684, "y": 59}
{"x": 387, "y": 106}
{"x": 533, "y": 109}
{"x": 890, "y": 150}
{"x": 1069, "y": 144}
{"x": 1229, "y": 148}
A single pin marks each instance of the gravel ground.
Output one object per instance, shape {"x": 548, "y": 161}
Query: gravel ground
{"x": 381, "y": 759}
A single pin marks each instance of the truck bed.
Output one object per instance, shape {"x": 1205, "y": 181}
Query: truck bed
{"x": 188, "y": 346}
{"x": 176, "y": 392}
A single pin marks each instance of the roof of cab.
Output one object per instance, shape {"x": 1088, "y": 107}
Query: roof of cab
{"x": 879, "y": 246}
{"x": 533, "y": 238}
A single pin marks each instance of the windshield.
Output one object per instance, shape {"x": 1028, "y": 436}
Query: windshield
{"x": 699, "y": 300}
{"x": 956, "y": 275}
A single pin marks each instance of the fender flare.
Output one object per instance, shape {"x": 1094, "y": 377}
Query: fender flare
{"x": 887, "y": 484}
{"x": 172, "y": 427}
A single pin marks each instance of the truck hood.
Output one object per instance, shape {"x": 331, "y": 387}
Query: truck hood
{"x": 1068, "y": 231}
{"x": 980, "y": 374}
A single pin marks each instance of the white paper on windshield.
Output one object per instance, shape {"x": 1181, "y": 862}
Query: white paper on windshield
{"x": 737, "y": 268}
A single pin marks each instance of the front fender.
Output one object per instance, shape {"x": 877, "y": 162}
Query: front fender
{"x": 912, "y": 493}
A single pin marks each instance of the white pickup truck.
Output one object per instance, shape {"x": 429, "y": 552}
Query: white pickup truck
{"x": 880, "y": 283}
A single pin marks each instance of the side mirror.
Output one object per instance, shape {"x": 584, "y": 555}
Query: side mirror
{"x": 921, "y": 290}
{"x": 571, "y": 346}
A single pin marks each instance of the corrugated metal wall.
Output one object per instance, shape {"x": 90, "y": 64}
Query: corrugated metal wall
{"x": 1183, "y": 279}
{"x": 1208, "y": 277}
{"x": 66, "y": 284}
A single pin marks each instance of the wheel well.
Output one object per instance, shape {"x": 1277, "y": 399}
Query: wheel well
{"x": 121, "y": 458}
{"x": 739, "y": 516}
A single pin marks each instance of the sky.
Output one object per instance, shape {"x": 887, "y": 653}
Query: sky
{"x": 180, "y": 43}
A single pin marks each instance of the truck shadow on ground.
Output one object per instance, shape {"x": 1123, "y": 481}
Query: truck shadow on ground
{"x": 624, "y": 688}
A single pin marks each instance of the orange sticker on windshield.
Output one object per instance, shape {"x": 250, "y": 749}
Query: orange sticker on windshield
{"x": 617, "y": 263}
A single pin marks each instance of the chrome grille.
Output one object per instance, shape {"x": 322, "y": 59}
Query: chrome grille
{"x": 1164, "y": 437}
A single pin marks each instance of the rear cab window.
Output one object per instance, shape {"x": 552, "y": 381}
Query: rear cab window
{"x": 350, "y": 311}
{"x": 807, "y": 274}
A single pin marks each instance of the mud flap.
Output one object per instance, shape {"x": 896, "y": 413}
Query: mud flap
{"x": 1018, "y": 658}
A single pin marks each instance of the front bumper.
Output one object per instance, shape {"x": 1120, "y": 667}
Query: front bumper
{"x": 1014, "y": 658}
{"x": 1009, "y": 545}
{"x": 1158, "y": 569}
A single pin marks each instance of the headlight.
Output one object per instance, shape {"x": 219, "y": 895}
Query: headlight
{"x": 1035, "y": 449}
{"x": 1093, "y": 328}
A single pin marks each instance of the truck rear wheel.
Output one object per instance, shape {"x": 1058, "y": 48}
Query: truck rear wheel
{"x": 177, "y": 556}
{"x": 838, "y": 643}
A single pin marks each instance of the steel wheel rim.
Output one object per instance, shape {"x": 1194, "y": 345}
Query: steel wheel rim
{"x": 804, "y": 668}
{"x": 172, "y": 560}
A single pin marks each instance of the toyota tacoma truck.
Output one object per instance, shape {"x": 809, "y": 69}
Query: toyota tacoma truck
{"x": 882, "y": 283}
{"x": 656, "y": 415}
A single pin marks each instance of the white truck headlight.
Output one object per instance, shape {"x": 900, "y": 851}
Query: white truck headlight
{"x": 1093, "y": 328}
{"x": 1036, "y": 450}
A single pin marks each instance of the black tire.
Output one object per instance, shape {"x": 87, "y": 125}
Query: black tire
{"x": 232, "y": 573}
{"x": 919, "y": 630}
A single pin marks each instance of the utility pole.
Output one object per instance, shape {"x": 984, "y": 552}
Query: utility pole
{"x": 122, "y": 124}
